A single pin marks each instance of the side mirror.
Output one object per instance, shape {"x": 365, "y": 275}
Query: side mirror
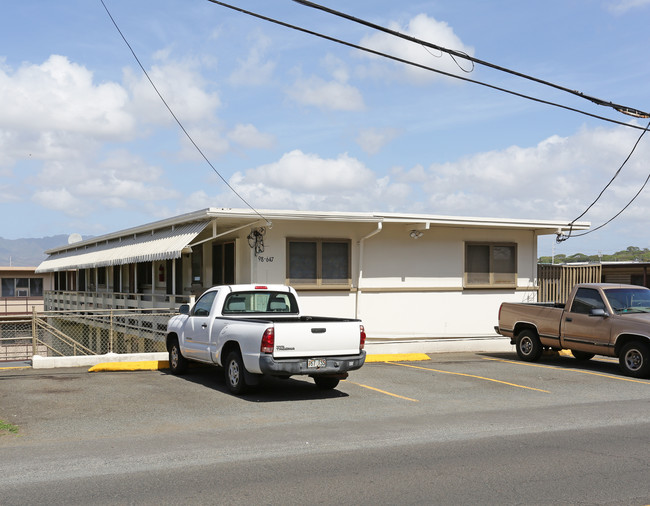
{"x": 598, "y": 312}
{"x": 184, "y": 309}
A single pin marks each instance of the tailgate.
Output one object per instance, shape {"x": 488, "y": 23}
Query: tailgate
{"x": 316, "y": 339}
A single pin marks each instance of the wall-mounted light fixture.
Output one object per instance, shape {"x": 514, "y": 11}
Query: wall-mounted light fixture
{"x": 415, "y": 234}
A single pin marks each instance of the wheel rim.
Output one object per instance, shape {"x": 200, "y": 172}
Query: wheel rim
{"x": 526, "y": 345}
{"x": 634, "y": 360}
{"x": 174, "y": 356}
{"x": 233, "y": 373}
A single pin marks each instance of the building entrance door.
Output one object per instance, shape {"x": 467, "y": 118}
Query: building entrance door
{"x": 223, "y": 263}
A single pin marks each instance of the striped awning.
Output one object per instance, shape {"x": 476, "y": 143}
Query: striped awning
{"x": 162, "y": 244}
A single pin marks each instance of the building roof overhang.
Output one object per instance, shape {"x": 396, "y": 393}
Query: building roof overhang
{"x": 160, "y": 244}
{"x": 166, "y": 239}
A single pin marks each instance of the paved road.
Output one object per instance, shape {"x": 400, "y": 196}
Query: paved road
{"x": 458, "y": 429}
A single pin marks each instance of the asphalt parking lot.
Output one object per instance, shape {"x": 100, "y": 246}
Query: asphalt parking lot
{"x": 90, "y": 430}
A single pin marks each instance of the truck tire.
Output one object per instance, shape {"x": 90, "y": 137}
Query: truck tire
{"x": 635, "y": 359}
{"x": 325, "y": 382}
{"x": 582, "y": 355}
{"x": 529, "y": 347}
{"x": 234, "y": 370}
{"x": 177, "y": 362}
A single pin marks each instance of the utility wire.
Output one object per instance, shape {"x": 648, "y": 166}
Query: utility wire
{"x": 421, "y": 66}
{"x": 179, "y": 122}
{"x": 620, "y": 108}
{"x": 562, "y": 237}
{"x": 623, "y": 109}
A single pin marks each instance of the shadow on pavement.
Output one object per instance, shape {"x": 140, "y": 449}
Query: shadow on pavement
{"x": 270, "y": 389}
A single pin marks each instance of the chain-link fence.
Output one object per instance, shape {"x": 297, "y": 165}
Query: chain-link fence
{"x": 65, "y": 333}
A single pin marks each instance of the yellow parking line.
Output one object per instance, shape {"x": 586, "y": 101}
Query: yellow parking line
{"x": 7, "y": 368}
{"x": 472, "y": 376}
{"x": 382, "y": 391}
{"x": 397, "y": 357}
{"x": 620, "y": 378}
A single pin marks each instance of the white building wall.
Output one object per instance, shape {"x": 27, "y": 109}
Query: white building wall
{"x": 411, "y": 289}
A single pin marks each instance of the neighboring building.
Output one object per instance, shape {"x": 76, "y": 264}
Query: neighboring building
{"x": 21, "y": 289}
{"x": 631, "y": 273}
{"x": 409, "y": 277}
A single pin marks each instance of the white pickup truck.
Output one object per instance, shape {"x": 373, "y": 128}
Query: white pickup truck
{"x": 253, "y": 330}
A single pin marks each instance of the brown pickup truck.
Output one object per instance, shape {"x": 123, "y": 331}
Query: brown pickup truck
{"x": 598, "y": 319}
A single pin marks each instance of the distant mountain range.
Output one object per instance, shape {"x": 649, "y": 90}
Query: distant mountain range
{"x": 28, "y": 252}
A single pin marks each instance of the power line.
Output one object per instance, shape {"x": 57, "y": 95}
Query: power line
{"x": 562, "y": 237}
{"x": 179, "y": 122}
{"x": 419, "y": 65}
{"x": 454, "y": 54}
{"x": 620, "y": 108}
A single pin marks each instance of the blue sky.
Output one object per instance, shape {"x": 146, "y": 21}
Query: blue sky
{"x": 295, "y": 122}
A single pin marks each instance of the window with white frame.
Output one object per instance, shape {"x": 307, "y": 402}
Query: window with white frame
{"x": 323, "y": 263}
{"x": 490, "y": 265}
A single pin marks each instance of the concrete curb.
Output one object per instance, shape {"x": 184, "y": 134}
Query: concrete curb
{"x": 386, "y": 351}
{"x": 39, "y": 362}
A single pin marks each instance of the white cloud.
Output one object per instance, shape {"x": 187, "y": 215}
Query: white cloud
{"x": 421, "y": 27}
{"x": 556, "y": 179}
{"x": 254, "y": 71}
{"x": 301, "y": 172}
{"x": 306, "y": 181}
{"x": 248, "y": 136}
{"x": 372, "y": 140}
{"x": 210, "y": 139}
{"x": 334, "y": 94}
{"x": 623, "y": 6}
{"x": 59, "y": 199}
{"x": 181, "y": 85}
{"x": 121, "y": 180}
{"x": 8, "y": 194}
{"x": 60, "y": 95}
{"x": 326, "y": 94}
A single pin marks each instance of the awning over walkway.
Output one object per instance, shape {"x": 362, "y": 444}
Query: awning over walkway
{"x": 163, "y": 244}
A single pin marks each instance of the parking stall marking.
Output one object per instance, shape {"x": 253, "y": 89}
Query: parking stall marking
{"x": 609, "y": 376}
{"x": 471, "y": 376}
{"x": 382, "y": 391}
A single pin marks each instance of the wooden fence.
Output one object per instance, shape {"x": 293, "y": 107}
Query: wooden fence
{"x": 557, "y": 281}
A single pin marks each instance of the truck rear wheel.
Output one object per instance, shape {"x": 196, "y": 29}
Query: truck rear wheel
{"x": 177, "y": 362}
{"x": 529, "y": 347}
{"x": 325, "y": 382}
{"x": 234, "y": 369}
{"x": 635, "y": 360}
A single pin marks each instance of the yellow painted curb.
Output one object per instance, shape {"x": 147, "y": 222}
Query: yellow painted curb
{"x": 397, "y": 357}
{"x": 146, "y": 365}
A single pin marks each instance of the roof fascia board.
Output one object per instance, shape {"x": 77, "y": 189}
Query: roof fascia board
{"x": 542, "y": 227}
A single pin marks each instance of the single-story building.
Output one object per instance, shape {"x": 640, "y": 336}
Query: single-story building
{"x": 409, "y": 277}
{"x": 21, "y": 289}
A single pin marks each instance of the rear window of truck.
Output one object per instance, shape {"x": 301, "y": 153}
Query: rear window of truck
{"x": 260, "y": 302}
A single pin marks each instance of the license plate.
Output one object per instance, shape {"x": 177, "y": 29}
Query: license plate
{"x": 316, "y": 363}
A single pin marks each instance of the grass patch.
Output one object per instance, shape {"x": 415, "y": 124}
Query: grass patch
{"x": 8, "y": 427}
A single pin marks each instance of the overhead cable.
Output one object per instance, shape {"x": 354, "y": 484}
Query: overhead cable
{"x": 563, "y": 237}
{"x": 419, "y": 65}
{"x": 179, "y": 122}
{"x": 459, "y": 54}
